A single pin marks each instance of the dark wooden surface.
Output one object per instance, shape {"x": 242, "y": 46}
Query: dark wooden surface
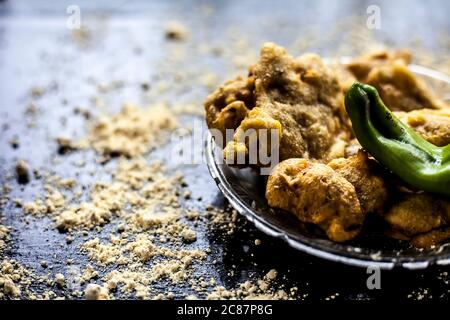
{"x": 127, "y": 44}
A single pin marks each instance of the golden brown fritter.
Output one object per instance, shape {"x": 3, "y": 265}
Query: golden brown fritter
{"x": 362, "y": 66}
{"x": 336, "y": 197}
{"x": 433, "y": 125}
{"x": 316, "y": 194}
{"x": 399, "y": 88}
{"x": 366, "y": 176}
{"x": 256, "y": 119}
{"x": 416, "y": 215}
{"x": 301, "y": 94}
{"x": 229, "y": 104}
{"x": 431, "y": 238}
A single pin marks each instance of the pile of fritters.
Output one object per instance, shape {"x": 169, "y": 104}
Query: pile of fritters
{"x": 324, "y": 177}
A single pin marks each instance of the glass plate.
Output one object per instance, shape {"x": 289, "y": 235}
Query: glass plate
{"x": 245, "y": 191}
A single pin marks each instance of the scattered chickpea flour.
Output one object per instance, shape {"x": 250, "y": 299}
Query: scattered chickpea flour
{"x": 153, "y": 235}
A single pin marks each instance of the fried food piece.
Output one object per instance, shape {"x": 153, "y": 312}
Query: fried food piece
{"x": 418, "y": 213}
{"x": 362, "y": 66}
{"x": 365, "y": 175}
{"x": 401, "y": 89}
{"x": 432, "y": 125}
{"x": 229, "y": 104}
{"x": 421, "y": 216}
{"x": 336, "y": 197}
{"x": 316, "y": 194}
{"x": 431, "y": 238}
{"x": 398, "y": 87}
{"x": 255, "y": 120}
{"x": 302, "y": 94}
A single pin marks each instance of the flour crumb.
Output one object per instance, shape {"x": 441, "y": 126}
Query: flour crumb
{"x": 132, "y": 132}
{"x": 22, "y": 172}
{"x": 175, "y": 30}
{"x": 10, "y": 288}
{"x": 271, "y": 275}
{"x": 95, "y": 292}
{"x": 189, "y": 235}
{"x": 60, "y": 279}
{"x": 4, "y": 235}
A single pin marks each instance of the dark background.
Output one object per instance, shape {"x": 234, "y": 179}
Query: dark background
{"x": 125, "y": 42}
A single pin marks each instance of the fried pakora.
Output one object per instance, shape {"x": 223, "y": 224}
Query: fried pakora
{"x": 367, "y": 177}
{"x": 432, "y": 125}
{"x": 316, "y": 194}
{"x": 302, "y": 95}
{"x": 431, "y": 238}
{"x": 424, "y": 218}
{"x": 336, "y": 197}
{"x": 398, "y": 87}
{"x": 229, "y": 104}
{"x": 361, "y": 66}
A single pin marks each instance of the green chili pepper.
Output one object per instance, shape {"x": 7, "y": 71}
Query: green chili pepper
{"x": 394, "y": 144}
